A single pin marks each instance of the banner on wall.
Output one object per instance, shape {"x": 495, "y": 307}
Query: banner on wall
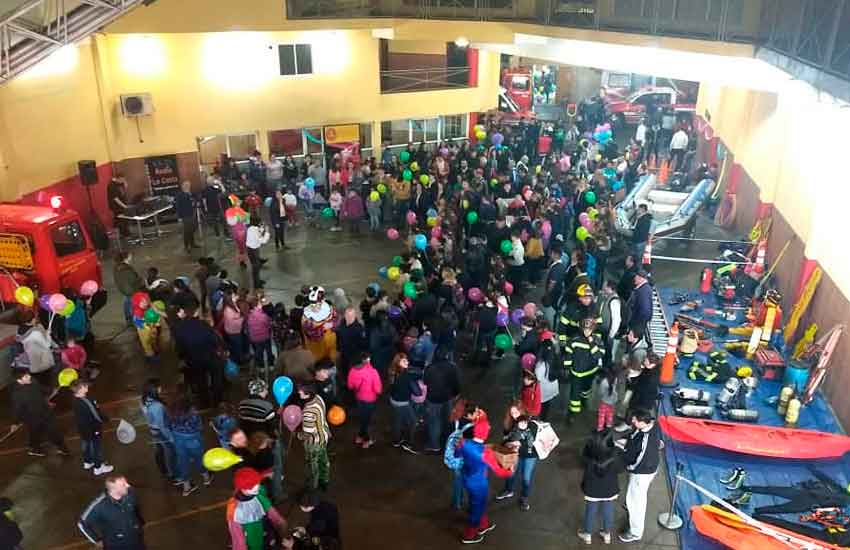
{"x": 163, "y": 176}
{"x": 343, "y": 133}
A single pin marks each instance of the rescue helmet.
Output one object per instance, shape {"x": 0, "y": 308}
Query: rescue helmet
{"x": 584, "y": 290}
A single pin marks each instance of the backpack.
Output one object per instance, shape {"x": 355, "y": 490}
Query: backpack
{"x": 451, "y": 461}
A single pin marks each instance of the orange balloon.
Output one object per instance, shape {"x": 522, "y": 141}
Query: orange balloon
{"x": 336, "y": 415}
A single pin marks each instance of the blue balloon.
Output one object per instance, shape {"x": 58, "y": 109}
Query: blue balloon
{"x": 375, "y": 286}
{"x": 268, "y": 202}
{"x": 421, "y": 242}
{"x": 231, "y": 369}
{"x": 310, "y": 183}
{"x": 431, "y": 213}
{"x": 282, "y": 389}
{"x": 382, "y": 271}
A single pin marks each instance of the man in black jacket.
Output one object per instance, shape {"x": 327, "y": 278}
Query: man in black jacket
{"x": 641, "y": 231}
{"x": 29, "y": 407}
{"x": 641, "y": 456}
{"x": 443, "y": 385}
{"x": 351, "y": 341}
{"x": 113, "y": 519}
{"x": 197, "y": 344}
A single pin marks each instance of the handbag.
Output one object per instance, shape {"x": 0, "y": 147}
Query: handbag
{"x": 546, "y": 439}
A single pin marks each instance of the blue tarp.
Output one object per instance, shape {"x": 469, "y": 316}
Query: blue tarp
{"x": 705, "y": 465}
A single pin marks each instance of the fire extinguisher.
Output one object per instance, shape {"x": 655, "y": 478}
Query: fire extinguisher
{"x": 705, "y": 283}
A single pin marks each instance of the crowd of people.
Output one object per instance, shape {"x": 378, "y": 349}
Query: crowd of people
{"x": 505, "y": 253}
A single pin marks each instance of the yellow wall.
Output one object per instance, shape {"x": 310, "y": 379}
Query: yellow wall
{"x": 789, "y": 143}
{"x": 49, "y": 119}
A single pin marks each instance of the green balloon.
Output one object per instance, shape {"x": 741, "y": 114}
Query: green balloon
{"x": 582, "y": 233}
{"x": 151, "y": 316}
{"x": 404, "y": 156}
{"x": 503, "y": 341}
{"x": 472, "y": 217}
{"x": 590, "y": 197}
{"x": 407, "y": 175}
{"x": 410, "y": 289}
{"x": 396, "y": 261}
{"x": 506, "y": 246}
{"x": 328, "y": 212}
{"x": 494, "y": 182}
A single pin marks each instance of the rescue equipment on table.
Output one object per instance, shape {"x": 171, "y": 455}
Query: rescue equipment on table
{"x": 690, "y": 343}
{"x": 732, "y": 400}
{"x": 717, "y": 370}
{"x": 692, "y": 403}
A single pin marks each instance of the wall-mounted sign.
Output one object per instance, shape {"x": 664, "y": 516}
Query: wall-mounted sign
{"x": 344, "y": 133}
{"x": 162, "y": 174}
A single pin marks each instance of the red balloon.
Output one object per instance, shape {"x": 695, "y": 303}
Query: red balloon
{"x": 509, "y": 288}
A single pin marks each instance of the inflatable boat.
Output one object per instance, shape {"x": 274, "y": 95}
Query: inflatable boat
{"x": 673, "y": 213}
{"x": 750, "y": 439}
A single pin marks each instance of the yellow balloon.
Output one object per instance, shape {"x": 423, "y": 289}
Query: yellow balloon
{"x": 24, "y": 296}
{"x": 66, "y": 376}
{"x": 218, "y": 459}
{"x": 465, "y": 204}
{"x": 598, "y": 158}
{"x": 414, "y": 166}
{"x": 393, "y": 273}
{"x": 537, "y": 169}
{"x": 480, "y": 135}
{"x": 431, "y": 222}
{"x": 373, "y": 196}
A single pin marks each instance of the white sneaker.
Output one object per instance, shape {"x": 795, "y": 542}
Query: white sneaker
{"x": 584, "y": 537}
{"x": 606, "y": 537}
{"x": 87, "y": 465}
{"x": 104, "y": 469}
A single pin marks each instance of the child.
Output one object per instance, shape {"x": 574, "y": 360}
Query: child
{"x": 352, "y": 210}
{"x": 335, "y": 202}
{"x": 521, "y": 438}
{"x": 90, "y": 425}
{"x": 224, "y": 423}
{"x": 373, "y": 207}
{"x": 607, "y": 399}
{"x": 600, "y": 487}
{"x": 248, "y": 510}
{"x": 324, "y": 379}
{"x": 365, "y": 382}
{"x": 259, "y": 326}
{"x": 290, "y": 202}
{"x": 74, "y": 356}
{"x": 530, "y": 394}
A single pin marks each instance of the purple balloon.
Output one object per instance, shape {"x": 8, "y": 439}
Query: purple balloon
{"x": 502, "y": 319}
{"x": 497, "y": 138}
{"x": 44, "y": 301}
{"x": 517, "y": 316}
{"x": 394, "y": 312}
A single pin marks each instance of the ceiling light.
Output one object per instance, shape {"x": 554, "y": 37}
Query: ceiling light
{"x": 461, "y": 42}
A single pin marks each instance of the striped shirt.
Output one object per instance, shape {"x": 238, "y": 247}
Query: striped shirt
{"x": 314, "y": 428}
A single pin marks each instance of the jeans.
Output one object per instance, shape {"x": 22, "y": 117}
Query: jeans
{"x": 165, "y": 458}
{"x": 280, "y": 234}
{"x": 189, "y": 226}
{"x": 364, "y": 412}
{"x": 263, "y": 351}
{"x": 279, "y": 451}
{"x": 525, "y": 467}
{"x": 637, "y": 251}
{"x": 128, "y": 309}
{"x": 404, "y": 422}
{"x": 374, "y": 221}
{"x": 92, "y": 451}
{"x": 214, "y": 220}
{"x": 189, "y": 449}
{"x": 457, "y": 489}
{"x": 256, "y": 265}
{"x": 437, "y": 420}
{"x": 592, "y": 508}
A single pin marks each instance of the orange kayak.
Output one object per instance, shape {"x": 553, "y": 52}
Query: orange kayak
{"x": 753, "y": 439}
{"x": 732, "y": 532}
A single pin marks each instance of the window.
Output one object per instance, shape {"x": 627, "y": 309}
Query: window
{"x": 520, "y": 83}
{"x": 365, "y": 136}
{"x": 424, "y": 130}
{"x": 396, "y": 132}
{"x": 295, "y": 59}
{"x": 313, "y": 137}
{"x": 286, "y": 142}
{"x": 68, "y": 239}
{"x": 240, "y": 147}
{"x": 454, "y": 127}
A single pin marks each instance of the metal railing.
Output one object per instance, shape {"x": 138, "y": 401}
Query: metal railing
{"x": 418, "y": 80}
{"x": 37, "y": 28}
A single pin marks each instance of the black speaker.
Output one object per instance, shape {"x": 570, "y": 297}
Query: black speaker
{"x": 88, "y": 172}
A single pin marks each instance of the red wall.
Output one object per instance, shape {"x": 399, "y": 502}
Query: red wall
{"x": 76, "y": 196}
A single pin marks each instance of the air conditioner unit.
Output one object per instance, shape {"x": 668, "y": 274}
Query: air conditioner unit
{"x": 136, "y": 105}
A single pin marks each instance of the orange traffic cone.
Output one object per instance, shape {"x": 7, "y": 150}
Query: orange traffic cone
{"x": 669, "y": 362}
{"x": 647, "y": 254}
{"x": 663, "y": 171}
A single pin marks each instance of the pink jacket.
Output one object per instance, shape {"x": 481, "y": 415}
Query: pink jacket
{"x": 232, "y": 320}
{"x": 259, "y": 326}
{"x": 365, "y": 382}
{"x": 352, "y": 207}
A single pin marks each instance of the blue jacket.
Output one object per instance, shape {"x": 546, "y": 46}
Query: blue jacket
{"x": 183, "y": 205}
{"x": 641, "y": 310}
{"x": 477, "y": 459}
{"x": 157, "y": 419}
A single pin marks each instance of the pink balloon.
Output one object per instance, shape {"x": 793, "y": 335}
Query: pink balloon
{"x": 475, "y": 294}
{"x": 292, "y": 417}
{"x": 436, "y": 232}
{"x": 57, "y": 302}
{"x": 530, "y": 309}
{"x": 528, "y": 361}
{"x": 392, "y": 234}
{"x": 411, "y": 217}
{"x": 509, "y": 288}
{"x": 88, "y": 288}
{"x": 587, "y": 223}
{"x": 546, "y": 229}
{"x": 583, "y": 217}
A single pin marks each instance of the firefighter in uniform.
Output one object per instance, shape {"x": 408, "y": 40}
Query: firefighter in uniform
{"x": 582, "y": 359}
{"x": 570, "y": 319}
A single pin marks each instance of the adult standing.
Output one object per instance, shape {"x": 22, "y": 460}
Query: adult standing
{"x": 197, "y": 344}
{"x": 277, "y": 213}
{"x": 626, "y": 284}
{"x": 610, "y": 311}
{"x": 678, "y": 148}
{"x": 641, "y": 456}
{"x": 257, "y": 414}
{"x": 640, "y": 304}
{"x": 404, "y": 386}
{"x": 127, "y": 280}
{"x": 255, "y": 238}
{"x": 554, "y": 285}
{"x": 213, "y": 196}
{"x": 516, "y": 261}
{"x": 185, "y": 206}
{"x": 30, "y": 409}
{"x": 274, "y": 173}
{"x": 116, "y": 195}
{"x": 113, "y": 520}
{"x": 315, "y": 433}
{"x": 186, "y": 425}
{"x": 351, "y": 340}
{"x": 443, "y": 385}
{"x": 641, "y": 232}
{"x": 156, "y": 415}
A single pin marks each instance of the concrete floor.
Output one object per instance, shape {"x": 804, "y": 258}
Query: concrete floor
{"x": 385, "y": 496}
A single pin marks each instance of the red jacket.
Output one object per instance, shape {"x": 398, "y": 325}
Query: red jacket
{"x": 530, "y": 397}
